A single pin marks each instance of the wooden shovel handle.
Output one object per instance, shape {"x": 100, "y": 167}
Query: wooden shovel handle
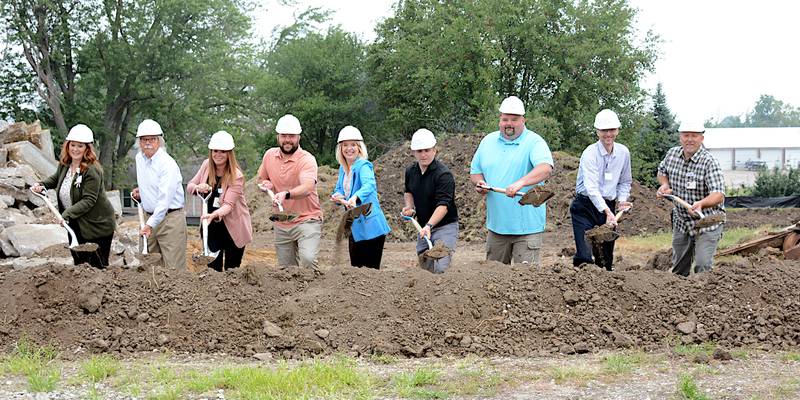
{"x": 499, "y": 190}
{"x": 272, "y": 197}
{"x": 683, "y": 203}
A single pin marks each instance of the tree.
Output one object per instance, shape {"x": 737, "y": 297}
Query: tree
{"x": 771, "y": 112}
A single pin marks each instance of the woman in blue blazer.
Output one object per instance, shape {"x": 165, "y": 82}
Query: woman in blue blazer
{"x": 356, "y": 186}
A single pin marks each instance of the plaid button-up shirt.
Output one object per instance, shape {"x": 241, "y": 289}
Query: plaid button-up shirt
{"x": 692, "y": 180}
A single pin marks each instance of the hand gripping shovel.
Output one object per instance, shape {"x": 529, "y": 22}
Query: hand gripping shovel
{"x": 144, "y": 257}
{"x": 350, "y": 215}
{"x": 535, "y": 197}
{"x": 705, "y": 221}
{"x": 207, "y": 257}
{"x": 605, "y": 232}
{"x": 434, "y": 252}
{"x": 73, "y": 239}
{"x": 280, "y": 216}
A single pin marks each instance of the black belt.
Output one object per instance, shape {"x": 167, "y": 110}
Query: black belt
{"x": 174, "y": 209}
{"x": 583, "y": 196}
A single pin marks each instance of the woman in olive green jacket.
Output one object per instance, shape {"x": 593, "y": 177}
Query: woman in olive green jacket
{"x": 81, "y": 196}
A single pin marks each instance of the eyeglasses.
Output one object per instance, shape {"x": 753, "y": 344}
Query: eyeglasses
{"x": 148, "y": 139}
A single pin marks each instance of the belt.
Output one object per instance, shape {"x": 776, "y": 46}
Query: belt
{"x": 583, "y": 196}
{"x": 174, "y": 209}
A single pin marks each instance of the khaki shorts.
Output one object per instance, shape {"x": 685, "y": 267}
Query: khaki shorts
{"x": 523, "y": 249}
{"x": 299, "y": 245}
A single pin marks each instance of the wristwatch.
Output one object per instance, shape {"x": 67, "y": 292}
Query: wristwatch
{"x": 429, "y": 225}
{"x": 288, "y": 195}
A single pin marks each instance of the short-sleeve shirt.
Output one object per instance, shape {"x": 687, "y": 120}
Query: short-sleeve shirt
{"x": 503, "y": 162}
{"x": 692, "y": 180}
{"x": 286, "y": 172}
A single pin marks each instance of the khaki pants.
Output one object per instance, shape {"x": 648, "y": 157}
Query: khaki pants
{"x": 523, "y": 249}
{"x": 299, "y": 245}
{"x": 169, "y": 239}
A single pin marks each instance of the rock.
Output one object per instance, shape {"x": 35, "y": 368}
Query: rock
{"x": 44, "y": 141}
{"x": 100, "y": 344}
{"x": 701, "y": 359}
{"x": 722, "y": 354}
{"x": 263, "y": 356}
{"x": 6, "y": 246}
{"x": 25, "y": 152}
{"x": 23, "y": 171}
{"x": 142, "y": 317}
{"x": 271, "y": 330}
{"x": 686, "y": 327}
{"x": 566, "y": 349}
{"x": 116, "y": 201}
{"x": 90, "y": 298}
{"x": 621, "y": 339}
{"x": 582, "y": 347}
{"x": 466, "y": 341}
{"x": 163, "y": 339}
{"x": 571, "y": 297}
{"x": 31, "y": 239}
{"x": 322, "y": 333}
{"x": 117, "y": 247}
{"x": 7, "y": 200}
{"x": 118, "y": 332}
{"x": 20, "y": 263}
{"x": 3, "y": 156}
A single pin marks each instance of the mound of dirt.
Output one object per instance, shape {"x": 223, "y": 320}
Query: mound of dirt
{"x": 648, "y": 216}
{"x": 486, "y": 309}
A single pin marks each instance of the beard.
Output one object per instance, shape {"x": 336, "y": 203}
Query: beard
{"x": 291, "y": 150}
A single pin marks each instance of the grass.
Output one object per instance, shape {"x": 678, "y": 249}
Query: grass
{"x": 99, "y": 368}
{"x": 620, "y": 364}
{"x": 36, "y": 363}
{"x": 663, "y": 240}
{"x": 418, "y": 384}
{"x": 384, "y": 359}
{"x": 688, "y": 389}
{"x": 578, "y": 375}
{"x": 791, "y": 356}
{"x": 690, "y": 350}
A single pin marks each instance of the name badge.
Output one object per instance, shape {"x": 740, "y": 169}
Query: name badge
{"x": 215, "y": 203}
{"x": 691, "y": 185}
{"x": 608, "y": 176}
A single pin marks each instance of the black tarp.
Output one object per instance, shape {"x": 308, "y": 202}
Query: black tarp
{"x": 762, "y": 202}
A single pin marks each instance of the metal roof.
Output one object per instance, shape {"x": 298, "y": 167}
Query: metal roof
{"x": 753, "y": 138}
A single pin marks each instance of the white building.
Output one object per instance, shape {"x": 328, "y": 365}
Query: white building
{"x": 747, "y": 148}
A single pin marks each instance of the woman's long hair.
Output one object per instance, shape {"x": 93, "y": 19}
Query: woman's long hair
{"x": 362, "y": 153}
{"x": 89, "y": 156}
{"x": 228, "y": 176}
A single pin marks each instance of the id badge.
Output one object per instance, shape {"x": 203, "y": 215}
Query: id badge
{"x": 691, "y": 185}
{"x": 608, "y": 176}
{"x": 215, "y": 204}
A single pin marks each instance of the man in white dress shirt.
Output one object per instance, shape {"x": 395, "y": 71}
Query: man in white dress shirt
{"x": 603, "y": 184}
{"x": 161, "y": 194}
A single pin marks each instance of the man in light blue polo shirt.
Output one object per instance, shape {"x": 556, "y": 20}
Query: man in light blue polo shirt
{"x": 514, "y": 158}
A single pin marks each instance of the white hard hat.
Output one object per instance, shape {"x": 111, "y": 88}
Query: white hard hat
{"x": 80, "y": 133}
{"x": 606, "y": 119}
{"x": 288, "y": 125}
{"x": 512, "y": 105}
{"x": 695, "y": 126}
{"x": 149, "y": 127}
{"x": 422, "y": 139}
{"x": 349, "y": 133}
{"x": 221, "y": 141}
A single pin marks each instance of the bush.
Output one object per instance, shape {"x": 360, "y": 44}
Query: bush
{"x": 777, "y": 183}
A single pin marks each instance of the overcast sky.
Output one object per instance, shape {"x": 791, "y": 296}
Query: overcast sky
{"x": 717, "y": 57}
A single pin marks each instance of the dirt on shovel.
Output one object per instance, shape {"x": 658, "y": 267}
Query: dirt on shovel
{"x": 438, "y": 251}
{"x": 537, "y": 196}
{"x": 343, "y": 229}
{"x": 709, "y": 220}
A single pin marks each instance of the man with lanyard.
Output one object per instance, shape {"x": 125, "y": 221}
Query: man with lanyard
{"x": 160, "y": 192}
{"x": 515, "y": 158}
{"x": 690, "y": 172}
{"x": 291, "y": 173}
{"x": 430, "y": 194}
{"x": 604, "y": 179}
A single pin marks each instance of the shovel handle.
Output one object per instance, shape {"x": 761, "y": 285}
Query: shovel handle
{"x": 272, "y": 197}
{"x": 419, "y": 228}
{"x": 499, "y": 190}
{"x": 683, "y": 203}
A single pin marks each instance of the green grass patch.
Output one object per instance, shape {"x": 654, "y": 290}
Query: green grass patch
{"x": 663, "y": 240}
{"x": 688, "y": 389}
{"x": 690, "y": 350}
{"x": 654, "y": 241}
{"x": 384, "y": 359}
{"x": 620, "y": 364}
{"x": 99, "y": 368}
{"x": 734, "y": 236}
{"x": 37, "y": 363}
{"x": 43, "y": 379}
{"x": 575, "y": 374}
{"x": 418, "y": 384}
{"x": 791, "y": 356}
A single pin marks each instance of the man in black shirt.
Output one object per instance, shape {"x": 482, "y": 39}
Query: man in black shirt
{"x": 430, "y": 193}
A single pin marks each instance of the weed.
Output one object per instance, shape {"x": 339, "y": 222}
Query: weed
{"x": 416, "y": 384}
{"x": 689, "y": 350}
{"x": 43, "y": 379}
{"x": 36, "y": 362}
{"x": 791, "y": 356}
{"x": 687, "y": 388}
{"x": 100, "y": 367}
{"x": 384, "y": 359}
{"x": 578, "y": 375}
{"x": 618, "y": 364}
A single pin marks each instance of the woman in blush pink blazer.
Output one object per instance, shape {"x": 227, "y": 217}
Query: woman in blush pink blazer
{"x": 229, "y": 228}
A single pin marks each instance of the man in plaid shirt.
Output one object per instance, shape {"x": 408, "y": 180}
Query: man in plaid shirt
{"x": 690, "y": 172}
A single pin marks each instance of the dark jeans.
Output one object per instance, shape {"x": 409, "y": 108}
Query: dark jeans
{"x": 366, "y": 253}
{"x": 97, "y": 258}
{"x": 584, "y": 217}
{"x": 220, "y": 239}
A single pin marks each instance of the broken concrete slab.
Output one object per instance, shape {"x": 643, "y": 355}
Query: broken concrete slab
{"x": 7, "y": 200}
{"x": 12, "y": 216}
{"x": 31, "y": 239}
{"x": 116, "y": 201}
{"x": 44, "y": 141}
{"x": 23, "y": 171}
{"x": 27, "y": 153}
{"x": 14, "y": 133}
{"x": 6, "y": 246}
{"x": 3, "y": 156}
{"x": 21, "y": 263}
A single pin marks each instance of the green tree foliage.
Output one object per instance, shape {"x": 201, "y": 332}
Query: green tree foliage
{"x": 767, "y": 112}
{"x": 18, "y": 101}
{"x": 777, "y": 183}
{"x": 656, "y": 135}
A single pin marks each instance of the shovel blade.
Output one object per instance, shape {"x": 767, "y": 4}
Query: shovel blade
{"x": 282, "y": 217}
{"x": 536, "y": 196}
{"x": 602, "y": 234}
{"x": 710, "y": 220}
{"x": 438, "y": 251}
{"x": 85, "y": 248}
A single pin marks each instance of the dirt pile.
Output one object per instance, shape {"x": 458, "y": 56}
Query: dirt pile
{"x": 485, "y": 309}
{"x": 648, "y": 216}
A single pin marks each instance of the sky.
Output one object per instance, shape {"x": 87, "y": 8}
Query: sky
{"x": 716, "y": 57}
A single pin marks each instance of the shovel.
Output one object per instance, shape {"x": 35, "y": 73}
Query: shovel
{"x": 434, "y": 252}
{"x": 535, "y": 197}
{"x": 705, "y": 221}
{"x": 350, "y": 215}
{"x": 73, "y": 239}
{"x": 280, "y": 216}
{"x": 605, "y": 232}
{"x": 145, "y": 257}
{"x": 207, "y": 257}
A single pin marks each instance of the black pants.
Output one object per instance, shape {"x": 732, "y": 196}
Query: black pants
{"x": 367, "y": 253}
{"x": 220, "y": 239}
{"x": 584, "y": 217}
{"x": 97, "y": 258}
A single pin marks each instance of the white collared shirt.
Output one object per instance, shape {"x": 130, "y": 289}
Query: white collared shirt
{"x": 603, "y": 175}
{"x": 160, "y": 185}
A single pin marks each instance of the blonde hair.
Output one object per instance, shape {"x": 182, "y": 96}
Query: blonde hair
{"x": 362, "y": 153}
{"x": 231, "y": 169}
